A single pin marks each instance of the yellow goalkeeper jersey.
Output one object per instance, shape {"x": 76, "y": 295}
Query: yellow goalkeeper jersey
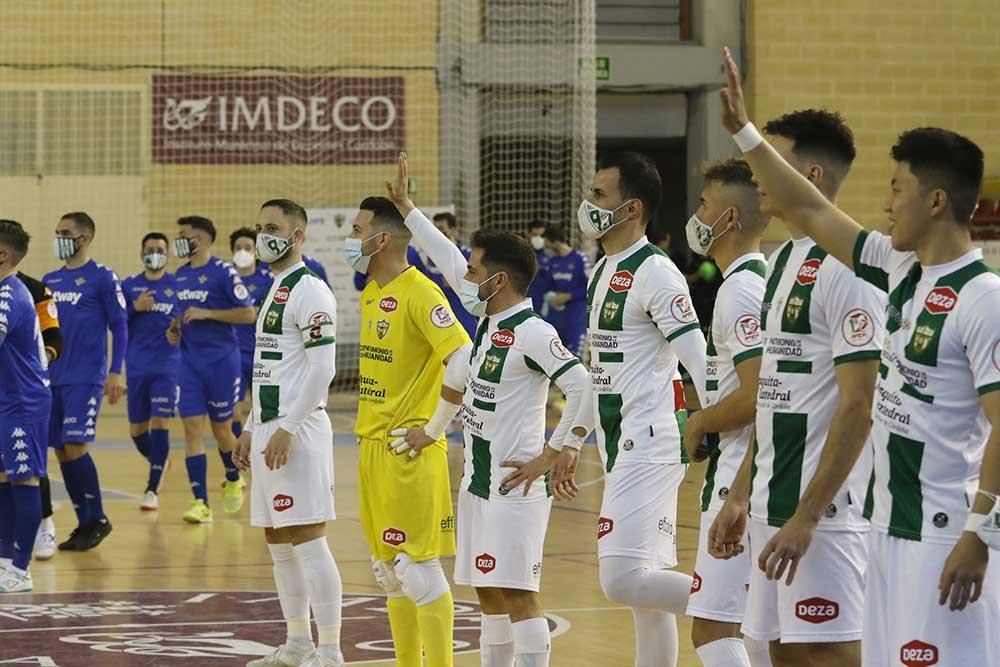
{"x": 407, "y": 331}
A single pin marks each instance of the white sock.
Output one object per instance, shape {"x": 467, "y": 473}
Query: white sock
{"x": 759, "y": 652}
{"x": 728, "y": 652}
{"x": 656, "y": 638}
{"x": 325, "y": 587}
{"x": 532, "y": 643}
{"x": 293, "y": 592}
{"x": 630, "y": 581}
{"x": 496, "y": 641}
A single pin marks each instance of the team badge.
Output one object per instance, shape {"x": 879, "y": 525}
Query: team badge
{"x": 858, "y": 328}
{"x": 491, "y": 364}
{"x": 168, "y": 292}
{"x": 271, "y": 319}
{"x": 610, "y": 310}
{"x": 794, "y": 308}
{"x": 922, "y": 337}
{"x": 559, "y": 351}
{"x": 81, "y": 280}
{"x": 628, "y": 445}
{"x": 382, "y": 328}
{"x": 202, "y": 279}
{"x": 940, "y": 520}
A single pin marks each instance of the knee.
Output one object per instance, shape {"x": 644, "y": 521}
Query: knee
{"x": 158, "y": 423}
{"x": 72, "y": 452}
{"x": 385, "y": 577}
{"x": 422, "y": 582}
{"x": 705, "y": 632}
{"x": 521, "y": 604}
{"x": 618, "y": 586}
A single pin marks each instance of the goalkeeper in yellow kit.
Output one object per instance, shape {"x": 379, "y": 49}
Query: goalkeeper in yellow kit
{"x": 414, "y": 357}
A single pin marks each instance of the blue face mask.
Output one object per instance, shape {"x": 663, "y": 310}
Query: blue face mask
{"x": 468, "y": 292}
{"x": 354, "y": 256}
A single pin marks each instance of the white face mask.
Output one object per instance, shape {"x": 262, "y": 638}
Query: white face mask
{"x": 700, "y": 236}
{"x": 272, "y": 248}
{"x": 538, "y": 243}
{"x": 595, "y": 221}
{"x": 243, "y": 259}
{"x": 989, "y": 529}
{"x": 355, "y": 257}
{"x": 468, "y": 292}
{"x": 64, "y": 247}
{"x": 184, "y": 247}
{"x": 154, "y": 261}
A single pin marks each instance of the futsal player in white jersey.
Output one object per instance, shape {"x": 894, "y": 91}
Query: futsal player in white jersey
{"x": 934, "y": 433}
{"x": 514, "y": 358}
{"x": 727, "y": 226}
{"x": 641, "y": 322}
{"x": 287, "y": 440}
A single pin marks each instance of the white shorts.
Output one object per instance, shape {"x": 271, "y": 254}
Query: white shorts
{"x": 823, "y": 605}
{"x": 903, "y": 622}
{"x": 500, "y": 543}
{"x": 639, "y": 513}
{"x": 719, "y": 591}
{"x": 301, "y": 491}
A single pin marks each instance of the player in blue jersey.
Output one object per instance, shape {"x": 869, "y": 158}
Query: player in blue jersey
{"x": 447, "y": 225}
{"x": 565, "y": 289}
{"x": 258, "y": 278}
{"x": 314, "y": 265}
{"x": 536, "y": 292}
{"x": 211, "y": 299}
{"x": 90, "y": 302}
{"x": 151, "y": 361}
{"x": 25, "y": 403}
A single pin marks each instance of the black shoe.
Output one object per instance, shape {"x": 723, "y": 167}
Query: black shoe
{"x": 73, "y": 543}
{"x": 94, "y": 534}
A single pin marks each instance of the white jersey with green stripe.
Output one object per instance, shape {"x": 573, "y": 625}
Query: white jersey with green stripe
{"x": 815, "y": 315}
{"x": 515, "y": 356}
{"x": 298, "y": 313}
{"x": 941, "y": 354}
{"x": 733, "y": 337}
{"x": 638, "y": 302}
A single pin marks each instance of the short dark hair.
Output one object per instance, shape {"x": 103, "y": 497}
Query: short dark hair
{"x": 386, "y": 215}
{"x": 734, "y": 171}
{"x": 819, "y": 134}
{"x": 241, "y": 233}
{"x": 82, "y": 221}
{"x": 13, "y": 235}
{"x": 200, "y": 223}
{"x": 555, "y": 234}
{"x": 505, "y": 251}
{"x": 448, "y": 218}
{"x": 944, "y": 159}
{"x": 536, "y": 224}
{"x": 637, "y": 179}
{"x": 154, "y": 236}
{"x": 289, "y": 208}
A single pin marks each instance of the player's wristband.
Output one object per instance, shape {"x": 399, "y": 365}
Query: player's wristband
{"x": 974, "y": 521}
{"x": 445, "y": 412}
{"x": 748, "y": 138}
{"x": 573, "y": 441}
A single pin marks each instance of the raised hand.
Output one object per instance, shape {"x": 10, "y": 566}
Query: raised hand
{"x": 734, "y": 110}
{"x": 397, "y": 189}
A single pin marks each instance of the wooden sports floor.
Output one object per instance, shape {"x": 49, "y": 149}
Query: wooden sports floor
{"x": 162, "y": 592}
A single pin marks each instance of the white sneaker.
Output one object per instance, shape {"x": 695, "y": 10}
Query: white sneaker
{"x": 325, "y": 661}
{"x": 13, "y": 580}
{"x": 286, "y": 655}
{"x": 45, "y": 540}
{"x": 4, "y": 564}
{"x": 150, "y": 502}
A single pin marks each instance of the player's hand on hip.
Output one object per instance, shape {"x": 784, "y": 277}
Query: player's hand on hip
{"x": 113, "y": 387}
{"x": 563, "y": 478}
{"x": 398, "y": 189}
{"x": 734, "y": 110}
{"x": 964, "y": 571}
{"x": 144, "y": 302}
{"x": 694, "y": 439}
{"x": 413, "y": 440}
{"x": 725, "y": 537}
{"x": 241, "y": 454}
{"x": 194, "y": 313}
{"x": 787, "y": 547}
{"x": 527, "y": 472}
{"x": 277, "y": 450}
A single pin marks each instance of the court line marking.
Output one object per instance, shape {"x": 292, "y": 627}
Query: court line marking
{"x": 200, "y": 598}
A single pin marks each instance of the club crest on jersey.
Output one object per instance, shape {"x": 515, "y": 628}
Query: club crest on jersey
{"x": 388, "y": 304}
{"x": 281, "y": 502}
{"x": 682, "y": 310}
{"x": 808, "y": 272}
{"x": 610, "y": 311}
{"x": 271, "y": 319}
{"x": 922, "y": 337}
{"x": 80, "y": 281}
{"x": 393, "y": 536}
{"x": 918, "y": 654}
{"x": 604, "y": 526}
{"x": 816, "y": 610}
{"x": 168, "y": 292}
{"x": 941, "y": 300}
{"x": 486, "y": 563}
{"x": 382, "y": 328}
{"x": 491, "y": 364}
{"x": 794, "y": 308}
{"x": 621, "y": 282}
{"x": 695, "y": 583}
{"x": 858, "y": 328}
{"x": 281, "y": 295}
{"x": 748, "y": 331}
{"x": 502, "y": 338}
{"x": 202, "y": 279}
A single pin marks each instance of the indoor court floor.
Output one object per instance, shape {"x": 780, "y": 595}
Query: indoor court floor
{"x": 162, "y": 592}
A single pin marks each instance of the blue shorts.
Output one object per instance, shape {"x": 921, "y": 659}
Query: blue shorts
{"x": 23, "y": 446}
{"x": 74, "y": 413}
{"x": 151, "y": 396}
{"x": 210, "y": 388}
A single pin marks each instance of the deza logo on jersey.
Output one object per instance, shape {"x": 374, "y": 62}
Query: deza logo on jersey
{"x": 281, "y": 502}
{"x": 817, "y": 610}
{"x": 918, "y": 654}
{"x": 604, "y": 526}
{"x": 621, "y": 282}
{"x": 502, "y": 338}
{"x": 72, "y": 298}
{"x": 388, "y": 304}
{"x": 281, "y": 295}
{"x": 485, "y": 563}
{"x": 808, "y": 271}
{"x": 393, "y": 536}
{"x": 941, "y": 300}
{"x": 199, "y": 295}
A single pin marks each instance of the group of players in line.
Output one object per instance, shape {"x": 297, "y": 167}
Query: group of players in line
{"x": 849, "y": 387}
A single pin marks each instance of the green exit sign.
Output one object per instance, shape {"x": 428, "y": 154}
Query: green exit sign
{"x": 602, "y": 67}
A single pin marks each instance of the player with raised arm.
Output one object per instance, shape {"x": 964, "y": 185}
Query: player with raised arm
{"x": 934, "y": 430}
{"x": 641, "y": 322}
{"x": 727, "y": 226}
{"x": 514, "y": 358}
{"x": 211, "y": 299}
{"x": 287, "y": 441}
{"x": 151, "y": 361}
{"x": 25, "y": 404}
{"x": 412, "y": 349}
{"x": 90, "y": 303}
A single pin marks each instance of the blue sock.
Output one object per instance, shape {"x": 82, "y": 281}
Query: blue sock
{"x": 27, "y": 518}
{"x": 237, "y": 428}
{"x": 6, "y": 520}
{"x": 142, "y": 443}
{"x": 91, "y": 486}
{"x": 232, "y": 472}
{"x": 71, "y": 478}
{"x": 197, "y": 467}
{"x": 159, "y": 450}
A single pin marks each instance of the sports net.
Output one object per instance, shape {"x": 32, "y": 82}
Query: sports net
{"x": 140, "y": 111}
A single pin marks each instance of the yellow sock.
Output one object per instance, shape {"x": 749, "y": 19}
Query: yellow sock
{"x": 437, "y": 622}
{"x": 405, "y": 632}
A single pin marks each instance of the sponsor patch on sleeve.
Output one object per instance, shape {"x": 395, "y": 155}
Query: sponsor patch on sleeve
{"x": 682, "y": 310}
{"x": 559, "y": 351}
{"x": 441, "y": 317}
{"x": 320, "y": 329}
{"x": 858, "y": 328}
{"x": 748, "y": 331}
{"x": 240, "y": 291}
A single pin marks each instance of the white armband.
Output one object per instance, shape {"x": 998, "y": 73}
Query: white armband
{"x": 443, "y": 414}
{"x": 456, "y": 372}
{"x": 748, "y": 138}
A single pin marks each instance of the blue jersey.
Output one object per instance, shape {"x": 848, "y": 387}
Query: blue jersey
{"x": 22, "y": 354}
{"x": 428, "y": 268}
{"x": 90, "y": 301}
{"x": 314, "y": 266}
{"x": 258, "y": 283}
{"x": 213, "y": 286}
{"x": 568, "y": 275}
{"x": 537, "y": 289}
{"x": 149, "y": 353}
